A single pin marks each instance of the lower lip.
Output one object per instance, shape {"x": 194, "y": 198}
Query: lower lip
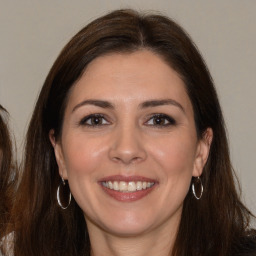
{"x": 128, "y": 196}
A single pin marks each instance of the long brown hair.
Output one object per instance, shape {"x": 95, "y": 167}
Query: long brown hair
{"x": 8, "y": 174}
{"x": 214, "y": 225}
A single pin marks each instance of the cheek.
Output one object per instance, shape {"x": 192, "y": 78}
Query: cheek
{"x": 83, "y": 158}
{"x": 82, "y": 154}
{"x": 175, "y": 155}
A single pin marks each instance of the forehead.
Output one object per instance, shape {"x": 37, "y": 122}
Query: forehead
{"x": 141, "y": 75}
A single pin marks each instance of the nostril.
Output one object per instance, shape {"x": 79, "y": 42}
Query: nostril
{"x": 127, "y": 160}
{"x": 127, "y": 157}
{"x": 127, "y": 148}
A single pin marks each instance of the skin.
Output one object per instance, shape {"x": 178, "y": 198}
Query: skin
{"x": 128, "y": 141}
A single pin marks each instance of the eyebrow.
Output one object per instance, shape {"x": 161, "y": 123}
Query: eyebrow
{"x": 98, "y": 103}
{"x": 146, "y": 104}
{"x": 156, "y": 103}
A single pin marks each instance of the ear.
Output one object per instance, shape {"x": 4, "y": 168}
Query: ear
{"x": 202, "y": 153}
{"x": 58, "y": 155}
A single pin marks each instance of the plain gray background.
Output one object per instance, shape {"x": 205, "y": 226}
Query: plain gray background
{"x": 32, "y": 34}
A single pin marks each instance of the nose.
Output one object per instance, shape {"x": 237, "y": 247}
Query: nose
{"x": 127, "y": 146}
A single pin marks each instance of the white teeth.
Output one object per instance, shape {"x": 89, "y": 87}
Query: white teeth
{"x": 139, "y": 185}
{"x": 122, "y": 186}
{"x": 130, "y": 186}
{"x": 116, "y": 185}
{"x": 110, "y": 184}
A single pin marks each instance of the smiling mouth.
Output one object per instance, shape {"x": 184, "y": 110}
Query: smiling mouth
{"x": 126, "y": 187}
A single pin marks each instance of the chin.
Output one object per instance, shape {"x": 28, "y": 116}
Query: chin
{"x": 124, "y": 229}
{"x": 123, "y": 224}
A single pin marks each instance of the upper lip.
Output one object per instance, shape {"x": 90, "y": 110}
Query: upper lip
{"x": 126, "y": 178}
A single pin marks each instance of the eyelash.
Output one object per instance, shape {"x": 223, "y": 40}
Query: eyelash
{"x": 84, "y": 121}
{"x": 168, "y": 121}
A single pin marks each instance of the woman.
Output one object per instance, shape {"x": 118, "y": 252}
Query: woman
{"x": 128, "y": 119}
{"x": 7, "y": 177}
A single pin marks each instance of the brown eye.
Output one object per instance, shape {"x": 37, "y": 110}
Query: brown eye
{"x": 94, "y": 120}
{"x": 161, "y": 120}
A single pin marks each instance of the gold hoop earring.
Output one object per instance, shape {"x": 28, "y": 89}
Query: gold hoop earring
{"x": 198, "y": 180}
{"x": 63, "y": 183}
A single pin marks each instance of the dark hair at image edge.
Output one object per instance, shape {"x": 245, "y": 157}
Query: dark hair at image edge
{"x": 215, "y": 225}
{"x": 8, "y": 175}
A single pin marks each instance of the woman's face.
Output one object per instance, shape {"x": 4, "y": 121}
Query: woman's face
{"x": 129, "y": 146}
